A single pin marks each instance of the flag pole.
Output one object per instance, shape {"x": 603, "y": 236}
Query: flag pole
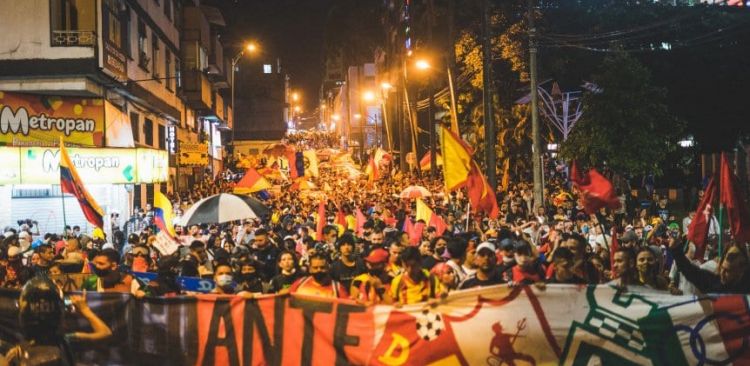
{"x": 62, "y": 198}
{"x": 62, "y": 194}
{"x": 600, "y": 218}
{"x": 468, "y": 214}
{"x": 721, "y": 227}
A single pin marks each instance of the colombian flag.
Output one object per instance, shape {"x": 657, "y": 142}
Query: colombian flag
{"x": 163, "y": 216}
{"x": 251, "y": 182}
{"x": 296, "y": 161}
{"x": 71, "y": 183}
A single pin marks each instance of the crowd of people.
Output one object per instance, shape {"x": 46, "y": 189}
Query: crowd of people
{"x": 374, "y": 259}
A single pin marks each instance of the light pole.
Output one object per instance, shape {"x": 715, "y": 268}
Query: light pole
{"x": 385, "y": 88}
{"x": 424, "y": 65}
{"x": 251, "y": 47}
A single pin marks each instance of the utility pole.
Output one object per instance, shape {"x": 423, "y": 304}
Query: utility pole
{"x": 536, "y": 152}
{"x": 431, "y": 90}
{"x": 490, "y": 135}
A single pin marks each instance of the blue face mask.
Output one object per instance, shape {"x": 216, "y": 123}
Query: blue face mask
{"x": 585, "y": 229}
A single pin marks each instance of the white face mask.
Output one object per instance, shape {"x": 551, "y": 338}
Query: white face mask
{"x": 224, "y": 280}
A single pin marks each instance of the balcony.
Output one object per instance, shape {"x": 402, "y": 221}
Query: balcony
{"x": 68, "y": 38}
{"x": 197, "y": 90}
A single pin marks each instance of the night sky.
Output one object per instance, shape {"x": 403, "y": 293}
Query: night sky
{"x": 292, "y": 30}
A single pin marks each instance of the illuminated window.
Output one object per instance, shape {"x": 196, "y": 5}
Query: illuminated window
{"x": 267, "y": 69}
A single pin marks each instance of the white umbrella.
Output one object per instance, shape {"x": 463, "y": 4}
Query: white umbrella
{"x": 415, "y": 192}
{"x": 223, "y": 208}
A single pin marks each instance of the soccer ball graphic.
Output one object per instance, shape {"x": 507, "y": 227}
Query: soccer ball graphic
{"x": 429, "y": 325}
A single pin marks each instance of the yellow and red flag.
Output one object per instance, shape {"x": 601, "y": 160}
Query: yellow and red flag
{"x": 251, "y": 182}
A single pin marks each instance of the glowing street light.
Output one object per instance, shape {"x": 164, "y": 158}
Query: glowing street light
{"x": 336, "y": 117}
{"x": 295, "y": 96}
{"x": 297, "y": 109}
{"x": 357, "y": 116}
{"x": 251, "y": 47}
{"x": 368, "y": 96}
{"x": 386, "y": 85}
{"x": 422, "y": 65}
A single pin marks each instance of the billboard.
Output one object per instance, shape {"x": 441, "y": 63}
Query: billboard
{"x": 40, "y": 120}
{"x": 193, "y": 154}
{"x": 41, "y": 165}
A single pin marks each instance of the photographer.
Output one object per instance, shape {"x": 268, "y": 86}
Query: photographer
{"x": 41, "y": 314}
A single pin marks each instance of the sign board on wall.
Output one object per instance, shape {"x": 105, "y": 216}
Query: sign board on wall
{"x": 193, "y": 154}
{"x": 41, "y": 165}
{"x": 112, "y": 59}
{"x": 156, "y": 163}
{"x": 40, "y": 120}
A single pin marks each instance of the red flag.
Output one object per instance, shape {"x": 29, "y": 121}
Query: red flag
{"x": 416, "y": 233}
{"x": 698, "y": 228}
{"x": 361, "y": 219}
{"x": 734, "y": 202}
{"x": 437, "y": 222}
{"x": 481, "y": 195}
{"x": 613, "y": 248}
{"x": 321, "y": 220}
{"x": 596, "y": 191}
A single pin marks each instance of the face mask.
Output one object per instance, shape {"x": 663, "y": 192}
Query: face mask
{"x": 322, "y": 278}
{"x": 139, "y": 264}
{"x": 101, "y": 273}
{"x": 224, "y": 280}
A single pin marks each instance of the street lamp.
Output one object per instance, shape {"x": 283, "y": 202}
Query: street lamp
{"x": 422, "y": 64}
{"x": 368, "y": 96}
{"x": 251, "y": 48}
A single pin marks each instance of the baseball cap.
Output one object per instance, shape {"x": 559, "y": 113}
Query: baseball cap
{"x": 378, "y": 255}
{"x": 486, "y": 245}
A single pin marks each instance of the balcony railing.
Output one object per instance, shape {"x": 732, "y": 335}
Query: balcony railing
{"x": 68, "y": 38}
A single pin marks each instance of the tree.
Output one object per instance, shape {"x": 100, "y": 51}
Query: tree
{"x": 625, "y": 126}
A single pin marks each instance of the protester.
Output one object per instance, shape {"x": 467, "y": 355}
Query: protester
{"x": 288, "y": 273}
{"x": 371, "y": 287}
{"x": 41, "y": 312}
{"x": 733, "y": 272}
{"x": 486, "y": 264}
{"x": 319, "y": 281}
{"x": 415, "y": 284}
{"x": 348, "y": 265}
{"x": 108, "y": 278}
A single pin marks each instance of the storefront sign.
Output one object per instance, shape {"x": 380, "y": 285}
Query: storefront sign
{"x": 153, "y": 165}
{"x": 192, "y": 154}
{"x": 41, "y": 165}
{"x": 40, "y": 120}
{"x": 172, "y": 139}
{"x": 10, "y": 169}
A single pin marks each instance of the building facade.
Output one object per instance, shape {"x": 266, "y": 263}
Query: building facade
{"x": 151, "y": 75}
